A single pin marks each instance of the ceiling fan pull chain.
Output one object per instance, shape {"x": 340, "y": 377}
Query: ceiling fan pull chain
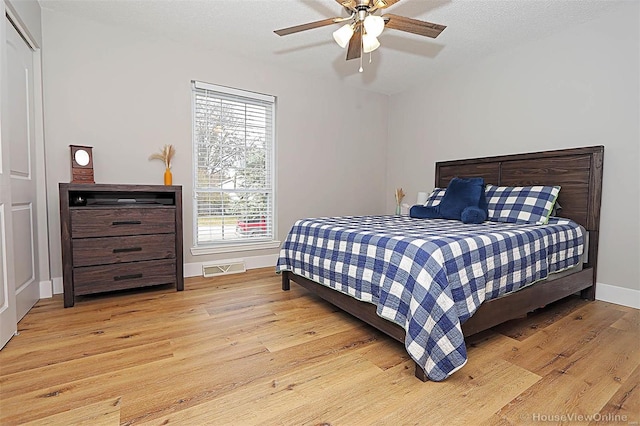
{"x": 361, "y": 49}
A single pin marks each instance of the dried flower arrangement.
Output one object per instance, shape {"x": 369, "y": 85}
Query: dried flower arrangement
{"x": 165, "y": 155}
{"x": 399, "y": 196}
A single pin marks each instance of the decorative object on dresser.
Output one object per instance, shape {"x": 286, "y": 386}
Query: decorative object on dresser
{"x": 117, "y": 237}
{"x": 81, "y": 164}
{"x": 165, "y": 155}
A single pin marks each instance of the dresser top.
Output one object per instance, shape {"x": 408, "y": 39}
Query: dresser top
{"x": 118, "y": 187}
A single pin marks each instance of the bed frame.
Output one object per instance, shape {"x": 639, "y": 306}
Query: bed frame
{"x": 578, "y": 171}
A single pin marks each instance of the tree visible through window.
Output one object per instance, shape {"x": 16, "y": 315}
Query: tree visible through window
{"x": 233, "y": 180}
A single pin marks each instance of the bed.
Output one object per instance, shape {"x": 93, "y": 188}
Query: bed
{"x": 579, "y": 173}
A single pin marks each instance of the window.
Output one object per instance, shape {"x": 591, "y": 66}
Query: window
{"x": 233, "y": 141}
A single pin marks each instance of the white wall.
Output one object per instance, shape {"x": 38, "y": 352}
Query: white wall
{"x": 127, "y": 94}
{"x": 576, "y": 88}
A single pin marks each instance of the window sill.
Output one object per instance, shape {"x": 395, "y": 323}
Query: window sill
{"x": 197, "y": 251}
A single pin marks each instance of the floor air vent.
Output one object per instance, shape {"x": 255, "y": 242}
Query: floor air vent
{"x": 225, "y": 267}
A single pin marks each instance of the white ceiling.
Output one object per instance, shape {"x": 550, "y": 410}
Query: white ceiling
{"x": 475, "y": 28}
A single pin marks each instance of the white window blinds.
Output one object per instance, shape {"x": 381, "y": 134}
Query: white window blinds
{"x": 233, "y": 139}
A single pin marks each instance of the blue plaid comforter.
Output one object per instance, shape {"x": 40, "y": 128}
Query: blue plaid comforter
{"x": 428, "y": 276}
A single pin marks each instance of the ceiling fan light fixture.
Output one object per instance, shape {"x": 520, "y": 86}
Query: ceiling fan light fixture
{"x": 343, "y": 34}
{"x": 369, "y": 43}
{"x": 360, "y": 30}
{"x": 374, "y": 25}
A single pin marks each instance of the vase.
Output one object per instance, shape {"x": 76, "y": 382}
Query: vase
{"x": 168, "y": 177}
{"x": 398, "y": 210}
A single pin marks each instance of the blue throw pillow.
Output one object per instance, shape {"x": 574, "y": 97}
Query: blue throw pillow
{"x": 473, "y": 215}
{"x": 462, "y": 193}
{"x": 425, "y": 212}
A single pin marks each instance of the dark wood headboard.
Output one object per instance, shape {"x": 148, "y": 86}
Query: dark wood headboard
{"x": 578, "y": 171}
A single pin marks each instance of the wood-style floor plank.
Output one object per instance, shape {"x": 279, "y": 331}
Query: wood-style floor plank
{"x": 104, "y": 413}
{"x": 238, "y": 350}
{"x": 624, "y": 406}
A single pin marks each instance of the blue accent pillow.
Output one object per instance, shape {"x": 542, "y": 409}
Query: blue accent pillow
{"x": 521, "y": 204}
{"x": 425, "y": 212}
{"x": 473, "y": 215}
{"x": 462, "y": 193}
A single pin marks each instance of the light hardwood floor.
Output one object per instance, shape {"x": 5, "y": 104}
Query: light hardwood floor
{"x": 238, "y": 350}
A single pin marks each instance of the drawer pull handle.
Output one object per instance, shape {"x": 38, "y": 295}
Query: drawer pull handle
{"x": 127, "y": 277}
{"x": 127, "y": 250}
{"x": 127, "y": 222}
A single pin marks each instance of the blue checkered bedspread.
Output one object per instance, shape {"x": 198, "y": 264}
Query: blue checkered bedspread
{"x": 428, "y": 276}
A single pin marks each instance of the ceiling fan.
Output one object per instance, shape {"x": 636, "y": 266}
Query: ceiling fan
{"x": 362, "y": 27}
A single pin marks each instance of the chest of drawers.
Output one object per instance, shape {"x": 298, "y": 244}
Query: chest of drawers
{"x": 117, "y": 237}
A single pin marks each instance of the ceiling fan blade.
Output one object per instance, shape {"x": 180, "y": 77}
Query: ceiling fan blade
{"x": 348, "y": 4}
{"x": 383, "y": 4}
{"x": 414, "y": 26}
{"x": 304, "y": 27}
{"x": 354, "y": 51}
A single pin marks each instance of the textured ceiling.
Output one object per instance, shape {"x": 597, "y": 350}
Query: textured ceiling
{"x": 475, "y": 28}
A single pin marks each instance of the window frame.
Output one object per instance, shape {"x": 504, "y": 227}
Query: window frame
{"x": 250, "y": 242}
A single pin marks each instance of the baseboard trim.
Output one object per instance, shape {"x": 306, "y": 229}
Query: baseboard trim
{"x": 46, "y": 289}
{"x": 58, "y": 288}
{"x": 618, "y": 295}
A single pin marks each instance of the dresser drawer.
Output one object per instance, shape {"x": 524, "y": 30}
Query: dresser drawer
{"x": 133, "y": 248}
{"x": 105, "y": 222}
{"x": 120, "y": 276}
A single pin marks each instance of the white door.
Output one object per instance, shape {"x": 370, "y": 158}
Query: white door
{"x": 18, "y": 214}
{"x": 8, "y": 319}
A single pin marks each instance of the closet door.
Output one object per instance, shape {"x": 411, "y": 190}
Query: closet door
{"x": 23, "y": 171}
{"x": 18, "y": 203}
{"x": 8, "y": 319}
